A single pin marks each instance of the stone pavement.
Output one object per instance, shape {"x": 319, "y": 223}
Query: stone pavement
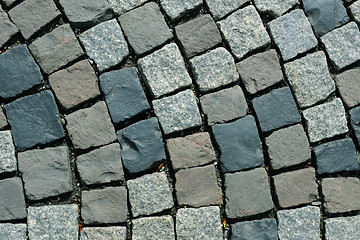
{"x": 179, "y": 119}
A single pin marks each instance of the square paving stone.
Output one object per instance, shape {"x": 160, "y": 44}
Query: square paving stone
{"x": 276, "y": 109}
{"x": 164, "y": 71}
{"x": 150, "y": 194}
{"x": 103, "y": 233}
{"x": 325, "y": 120}
{"x": 153, "y": 228}
{"x": 197, "y": 187}
{"x": 53, "y": 222}
{"x": 310, "y": 79}
{"x": 342, "y": 45}
{"x": 292, "y": 33}
{"x": 178, "y": 112}
{"x": 107, "y": 205}
{"x": 224, "y": 105}
{"x": 45, "y": 172}
{"x": 34, "y": 120}
{"x": 260, "y": 71}
{"x": 247, "y": 193}
{"x": 346, "y": 228}
{"x": 14, "y": 79}
{"x": 3, "y": 121}
{"x": 221, "y": 8}
{"x": 214, "y": 69}
{"x": 275, "y": 7}
{"x": 101, "y": 165}
{"x": 90, "y": 127}
{"x": 8, "y": 161}
{"x": 10, "y": 231}
{"x": 178, "y": 8}
{"x": 191, "y": 151}
{"x": 349, "y": 87}
{"x": 141, "y": 145}
{"x": 8, "y": 28}
{"x": 75, "y": 85}
{"x": 355, "y": 11}
{"x": 257, "y": 229}
{"x": 124, "y": 94}
{"x": 145, "y": 28}
{"x": 239, "y": 144}
{"x": 199, "y": 223}
{"x": 355, "y": 121}
{"x": 122, "y": 6}
{"x": 198, "y": 35}
{"x": 105, "y": 44}
{"x": 9, "y": 3}
{"x": 244, "y": 31}
{"x": 56, "y": 49}
{"x": 12, "y": 200}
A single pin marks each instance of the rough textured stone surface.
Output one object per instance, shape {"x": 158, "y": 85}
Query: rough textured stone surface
{"x": 103, "y": 233}
{"x": 53, "y": 222}
{"x": 325, "y": 120}
{"x": 191, "y": 151}
{"x": 124, "y": 95}
{"x": 310, "y": 79}
{"x": 198, "y": 35}
{"x": 10, "y": 231}
{"x": 75, "y": 84}
{"x": 349, "y": 87}
{"x": 90, "y": 127}
{"x": 3, "y": 121}
{"x": 247, "y": 193}
{"x": 178, "y": 112}
{"x": 150, "y": 194}
{"x": 345, "y": 228}
{"x": 15, "y": 79}
{"x": 301, "y": 223}
{"x": 164, "y": 70}
{"x": 102, "y": 165}
{"x": 198, "y": 223}
{"x": 355, "y": 121}
{"x": 153, "y": 228}
{"x": 214, "y": 69}
{"x": 292, "y": 34}
{"x": 123, "y": 6}
{"x": 45, "y": 172}
{"x": 145, "y": 28}
{"x": 8, "y": 29}
{"x": 224, "y": 105}
{"x": 260, "y": 71}
{"x": 221, "y": 8}
{"x": 178, "y": 8}
{"x": 107, "y": 205}
{"x": 244, "y": 31}
{"x": 239, "y": 144}
{"x": 105, "y": 44}
{"x": 9, "y": 3}
{"x": 275, "y": 7}
{"x": 8, "y": 161}
{"x": 141, "y": 145}
{"x": 355, "y": 11}
{"x": 257, "y": 229}
{"x": 341, "y": 194}
{"x": 12, "y": 200}
{"x": 56, "y": 49}
{"x": 288, "y": 147}
{"x": 342, "y": 45}
{"x": 34, "y": 120}
{"x": 276, "y": 109}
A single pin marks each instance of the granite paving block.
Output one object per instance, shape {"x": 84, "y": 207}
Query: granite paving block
{"x": 178, "y": 8}
{"x": 349, "y": 87}
{"x": 244, "y": 31}
{"x": 345, "y": 228}
{"x": 355, "y": 121}
{"x": 17, "y": 79}
{"x": 120, "y": 7}
{"x": 103, "y": 233}
{"x": 260, "y": 71}
{"x": 198, "y": 35}
{"x": 355, "y": 11}
{"x": 292, "y": 33}
{"x": 56, "y": 49}
{"x": 141, "y": 145}
{"x": 90, "y": 127}
{"x": 325, "y": 120}
{"x": 164, "y": 71}
{"x": 145, "y": 28}
{"x": 75, "y": 85}
{"x": 191, "y": 151}
{"x": 247, "y": 193}
{"x": 301, "y": 223}
{"x": 12, "y": 200}
{"x": 53, "y": 222}
{"x": 8, "y": 28}
{"x": 257, "y": 229}
{"x": 3, "y": 121}
{"x": 45, "y": 172}
{"x": 9, "y": 3}
{"x": 341, "y": 194}
{"x": 221, "y": 8}
{"x": 275, "y": 7}
{"x": 10, "y": 231}
{"x": 276, "y": 109}
{"x": 124, "y": 94}
{"x": 310, "y": 79}
{"x": 153, "y": 228}
{"x": 150, "y": 194}
{"x": 214, "y": 69}
{"x": 239, "y": 144}
{"x": 101, "y": 165}
{"x": 224, "y": 105}
{"x": 34, "y": 120}
{"x": 198, "y": 223}
{"x": 178, "y": 112}
{"x": 8, "y": 161}
{"x": 342, "y": 44}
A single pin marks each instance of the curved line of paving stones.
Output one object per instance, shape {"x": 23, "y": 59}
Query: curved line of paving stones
{"x": 183, "y": 119}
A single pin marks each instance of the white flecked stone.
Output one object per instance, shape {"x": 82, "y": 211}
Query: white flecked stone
{"x": 220, "y": 8}
{"x": 275, "y": 7}
{"x": 177, "y": 8}
{"x": 7, "y": 152}
{"x": 103, "y": 233}
{"x": 10, "y": 231}
{"x": 153, "y": 228}
{"x": 122, "y": 6}
{"x": 345, "y": 228}
{"x": 355, "y": 10}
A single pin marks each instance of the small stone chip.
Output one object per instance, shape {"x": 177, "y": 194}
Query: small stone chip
{"x": 8, "y": 161}
{"x": 12, "y": 200}
{"x": 178, "y": 8}
{"x": 10, "y": 231}
{"x": 275, "y": 7}
{"x": 349, "y": 87}
{"x": 346, "y": 228}
{"x": 355, "y": 121}
{"x": 255, "y": 230}
{"x": 153, "y": 228}
{"x": 103, "y": 233}
{"x": 220, "y": 8}
{"x": 3, "y": 121}
{"x": 8, "y": 28}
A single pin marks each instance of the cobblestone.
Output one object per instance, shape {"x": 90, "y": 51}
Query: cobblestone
{"x": 275, "y": 7}
{"x": 12, "y": 200}
{"x": 149, "y": 227}
{"x": 220, "y": 8}
{"x": 178, "y": 8}
{"x": 349, "y": 87}
{"x": 342, "y": 228}
{"x": 10, "y": 231}
{"x": 8, "y": 28}
{"x": 120, "y": 7}
{"x": 3, "y": 121}
{"x": 8, "y": 162}
{"x": 103, "y": 233}
{"x": 253, "y": 230}
{"x": 355, "y": 11}
{"x": 355, "y": 121}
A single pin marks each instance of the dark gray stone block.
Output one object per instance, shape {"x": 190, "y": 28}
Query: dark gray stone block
{"x": 8, "y": 28}
{"x": 355, "y": 121}
{"x": 349, "y": 86}
{"x": 12, "y": 200}
{"x": 254, "y": 230}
